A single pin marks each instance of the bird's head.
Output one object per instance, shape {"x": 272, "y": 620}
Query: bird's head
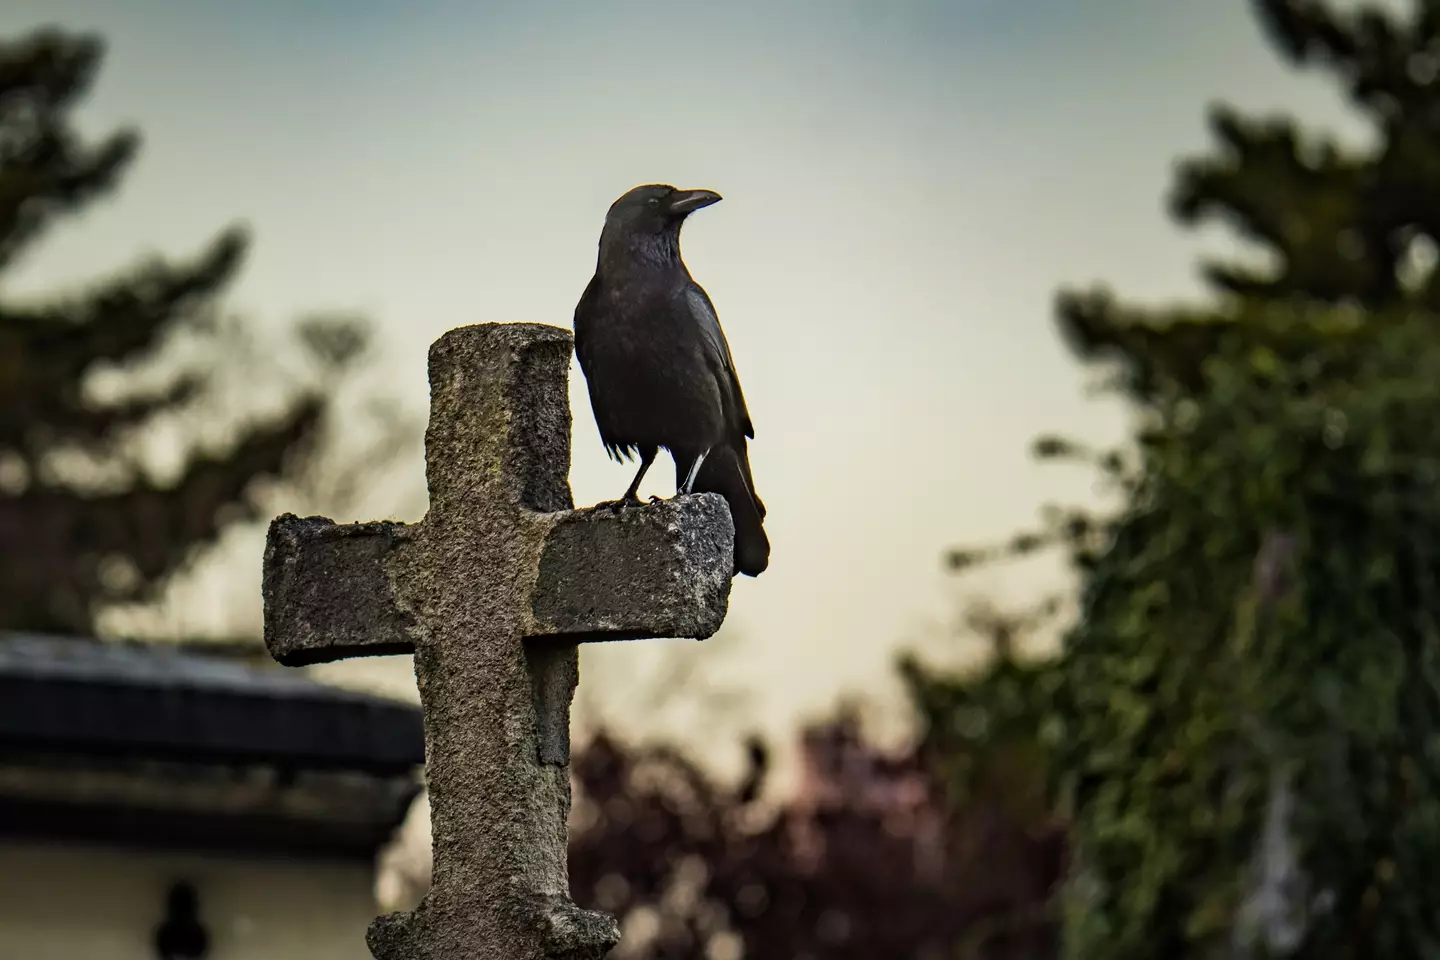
{"x": 648, "y": 218}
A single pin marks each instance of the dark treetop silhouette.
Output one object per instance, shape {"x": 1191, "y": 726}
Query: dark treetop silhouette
{"x": 74, "y": 541}
{"x": 658, "y": 366}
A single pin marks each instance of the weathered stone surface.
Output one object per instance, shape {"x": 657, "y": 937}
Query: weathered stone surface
{"x": 326, "y": 593}
{"x": 493, "y": 590}
{"x": 658, "y": 570}
{"x": 554, "y": 674}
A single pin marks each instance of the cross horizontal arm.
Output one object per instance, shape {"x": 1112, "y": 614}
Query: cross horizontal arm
{"x": 327, "y": 593}
{"x": 662, "y": 570}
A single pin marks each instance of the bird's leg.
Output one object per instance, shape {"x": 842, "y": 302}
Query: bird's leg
{"x": 689, "y": 485}
{"x": 631, "y": 495}
{"x": 647, "y": 457}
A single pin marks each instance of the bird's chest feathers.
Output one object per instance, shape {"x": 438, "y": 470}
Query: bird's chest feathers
{"x": 648, "y": 324}
{"x": 650, "y": 378}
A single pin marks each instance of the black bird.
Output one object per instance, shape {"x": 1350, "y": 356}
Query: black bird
{"x": 658, "y": 366}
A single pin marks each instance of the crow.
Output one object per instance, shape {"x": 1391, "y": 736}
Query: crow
{"x": 658, "y": 367}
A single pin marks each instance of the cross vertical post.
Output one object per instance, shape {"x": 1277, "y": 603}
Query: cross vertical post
{"x": 493, "y": 591}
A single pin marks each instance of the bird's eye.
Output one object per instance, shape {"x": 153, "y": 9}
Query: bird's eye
{"x": 654, "y": 201}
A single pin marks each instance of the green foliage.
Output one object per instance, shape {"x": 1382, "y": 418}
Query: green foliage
{"x": 984, "y": 741}
{"x": 1207, "y": 663}
{"x": 1251, "y": 686}
{"x": 74, "y": 539}
{"x": 1334, "y": 225}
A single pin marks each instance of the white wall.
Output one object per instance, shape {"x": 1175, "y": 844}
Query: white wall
{"x": 92, "y": 903}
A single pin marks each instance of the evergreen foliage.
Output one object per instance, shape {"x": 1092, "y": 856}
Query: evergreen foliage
{"x": 73, "y": 539}
{"x": 1242, "y": 725}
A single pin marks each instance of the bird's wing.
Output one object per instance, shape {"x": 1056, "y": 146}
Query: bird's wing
{"x": 587, "y": 315}
{"x": 584, "y": 316}
{"x": 718, "y": 348}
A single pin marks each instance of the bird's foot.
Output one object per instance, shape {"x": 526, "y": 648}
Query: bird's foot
{"x": 615, "y": 506}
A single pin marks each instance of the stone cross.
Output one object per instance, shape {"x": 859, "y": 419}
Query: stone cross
{"x": 493, "y": 591}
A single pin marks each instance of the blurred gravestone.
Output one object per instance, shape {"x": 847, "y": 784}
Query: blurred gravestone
{"x": 493, "y": 591}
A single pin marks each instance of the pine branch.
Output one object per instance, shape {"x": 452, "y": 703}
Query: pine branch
{"x": 1304, "y": 29}
{"x": 48, "y": 351}
{"x": 1154, "y": 346}
{"x": 57, "y": 549}
{"x": 45, "y": 171}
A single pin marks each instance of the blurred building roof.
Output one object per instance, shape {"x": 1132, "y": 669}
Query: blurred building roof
{"x": 83, "y": 696}
{"x": 161, "y": 744}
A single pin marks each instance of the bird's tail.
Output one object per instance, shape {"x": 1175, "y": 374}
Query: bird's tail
{"x": 726, "y": 471}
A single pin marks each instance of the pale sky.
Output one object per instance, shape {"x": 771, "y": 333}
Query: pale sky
{"x": 905, "y": 184}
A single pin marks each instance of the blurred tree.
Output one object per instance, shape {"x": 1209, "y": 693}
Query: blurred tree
{"x": 1352, "y": 228}
{"x": 1241, "y": 723}
{"x": 865, "y": 861}
{"x": 1250, "y": 698}
{"x": 82, "y": 521}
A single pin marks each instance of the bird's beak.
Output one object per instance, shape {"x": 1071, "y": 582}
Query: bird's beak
{"x": 685, "y": 202}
